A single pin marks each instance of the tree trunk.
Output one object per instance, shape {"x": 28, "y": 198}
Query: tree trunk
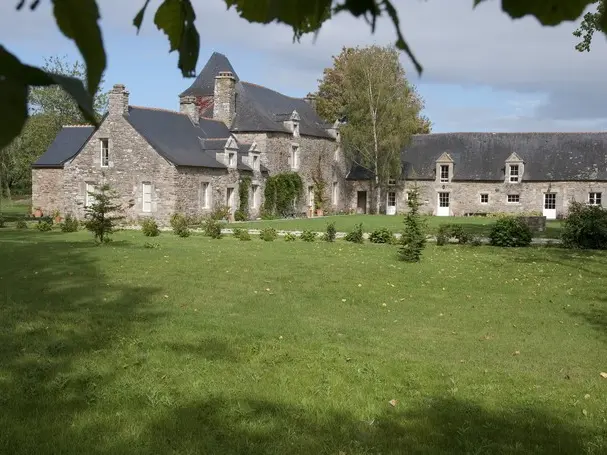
{"x": 7, "y": 191}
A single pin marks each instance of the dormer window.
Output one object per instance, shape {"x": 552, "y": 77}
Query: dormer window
{"x": 255, "y": 162}
{"x": 444, "y": 173}
{"x": 296, "y": 129}
{"x": 513, "y": 173}
{"x": 444, "y": 168}
{"x": 105, "y": 152}
{"x": 231, "y": 159}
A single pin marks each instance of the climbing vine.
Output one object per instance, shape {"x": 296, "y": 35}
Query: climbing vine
{"x": 280, "y": 193}
{"x": 242, "y": 214}
{"x": 319, "y": 186}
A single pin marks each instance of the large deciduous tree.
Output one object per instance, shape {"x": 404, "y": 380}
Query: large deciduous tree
{"x": 381, "y": 108}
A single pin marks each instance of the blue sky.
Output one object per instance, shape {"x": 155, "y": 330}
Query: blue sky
{"x": 483, "y": 71}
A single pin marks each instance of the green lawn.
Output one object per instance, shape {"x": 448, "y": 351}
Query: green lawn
{"x": 13, "y": 209}
{"x": 345, "y": 223}
{"x": 203, "y": 346}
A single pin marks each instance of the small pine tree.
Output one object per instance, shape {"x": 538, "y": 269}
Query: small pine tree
{"x": 102, "y": 214}
{"x": 413, "y": 240}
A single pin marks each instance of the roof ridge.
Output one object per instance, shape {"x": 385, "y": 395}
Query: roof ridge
{"x": 87, "y": 125}
{"x": 271, "y": 89}
{"x": 161, "y": 109}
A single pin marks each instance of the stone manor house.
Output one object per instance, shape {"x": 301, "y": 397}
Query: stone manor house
{"x": 191, "y": 161}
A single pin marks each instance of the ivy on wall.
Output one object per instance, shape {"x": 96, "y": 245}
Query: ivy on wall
{"x": 242, "y": 214}
{"x": 280, "y": 193}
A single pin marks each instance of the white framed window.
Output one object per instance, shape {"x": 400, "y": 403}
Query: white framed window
{"x": 230, "y": 197}
{"x": 255, "y": 162}
{"x": 294, "y": 156}
{"x": 336, "y": 155}
{"x": 146, "y": 205}
{"x": 514, "y": 199}
{"x": 484, "y": 198}
{"x": 311, "y": 196}
{"x": 595, "y": 198}
{"x": 254, "y": 196}
{"x": 231, "y": 159}
{"x": 444, "y": 173}
{"x": 391, "y": 199}
{"x": 205, "y": 195}
{"x": 550, "y": 201}
{"x": 105, "y": 152}
{"x": 513, "y": 173}
{"x": 391, "y": 182}
{"x": 89, "y": 199}
{"x": 334, "y": 193}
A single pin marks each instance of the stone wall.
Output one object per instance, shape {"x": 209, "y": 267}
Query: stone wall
{"x": 47, "y": 190}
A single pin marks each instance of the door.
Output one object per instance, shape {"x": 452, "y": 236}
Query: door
{"x": 391, "y": 203}
{"x": 361, "y": 202}
{"x": 230, "y": 198}
{"x": 443, "y": 208}
{"x": 550, "y": 206}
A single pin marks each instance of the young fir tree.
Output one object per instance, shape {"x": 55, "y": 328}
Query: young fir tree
{"x": 413, "y": 240}
{"x": 102, "y": 214}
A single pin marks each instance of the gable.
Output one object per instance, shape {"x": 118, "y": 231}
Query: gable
{"x": 68, "y": 142}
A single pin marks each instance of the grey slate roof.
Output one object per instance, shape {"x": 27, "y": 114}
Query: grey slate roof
{"x": 204, "y": 84}
{"x": 482, "y": 156}
{"x": 67, "y": 144}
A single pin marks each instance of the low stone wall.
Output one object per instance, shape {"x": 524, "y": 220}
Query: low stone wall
{"x": 536, "y": 223}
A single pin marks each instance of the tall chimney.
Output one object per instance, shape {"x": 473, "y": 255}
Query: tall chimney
{"x": 311, "y": 100}
{"x": 187, "y": 105}
{"x": 224, "y": 98}
{"x": 118, "y": 100}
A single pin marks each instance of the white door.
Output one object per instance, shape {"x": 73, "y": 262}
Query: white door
{"x": 391, "y": 204}
{"x": 443, "y": 205}
{"x": 550, "y": 206}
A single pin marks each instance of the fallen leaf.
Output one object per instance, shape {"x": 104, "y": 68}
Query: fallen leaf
{"x": 343, "y": 300}
{"x": 587, "y": 396}
{"x": 584, "y": 412}
{"x": 604, "y": 375}
{"x": 393, "y": 402}
{"x": 517, "y": 353}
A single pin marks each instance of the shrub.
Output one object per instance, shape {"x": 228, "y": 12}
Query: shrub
{"x": 510, "y": 232}
{"x": 448, "y": 231}
{"x": 330, "y": 233}
{"x": 308, "y": 236}
{"x": 179, "y": 223}
{"x": 382, "y": 235}
{"x": 44, "y": 225}
{"x": 151, "y": 245}
{"x": 413, "y": 239}
{"x": 356, "y": 235}
{"x": 103, "y": 213}
{"x": 237, "y": 232}
{"x": 240, "y": 215}
{"x": 289, "y": 237}
{"x": 70, "y": 224}
{"x": 212, "y": 228}
{"x": 268, "y": 234}
{"x": 475, "y": 240}
{"x": 149, "y": 227}
{"x": 21, "y": 224}
{"x": 244, "y": 235}
{"x": 220, "y": 212}
{"x": 585, "y": 227}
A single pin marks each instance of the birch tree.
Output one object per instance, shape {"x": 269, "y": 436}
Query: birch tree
{"x": 382, "y": 112}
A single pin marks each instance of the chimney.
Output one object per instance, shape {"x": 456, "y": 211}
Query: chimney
{"x": 118, "y": 100}
{"x": 224, "y": 98}
{"x": 311, "y": 100}
{"x": 187, "y": 105}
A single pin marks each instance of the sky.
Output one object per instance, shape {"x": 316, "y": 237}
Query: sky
{"x": 482, "y": 70}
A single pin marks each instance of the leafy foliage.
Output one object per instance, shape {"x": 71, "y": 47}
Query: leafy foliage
{"x": 449, "y": 231}
{"x": 242, "y": 214}
{"x": 149, "y": 227}
{"x": 585, "y": 227}
{"x": 237, "y": 232}
{"x": 268, "y": 234}
{"x": 1, "y": 221}
{"x": 244, "y": 235}
{"x": 382, "y": 235}
{"x": 220, "y": 212}
{"x": 44, "y": 225}
{"x": 356, "y": 235}
{"x": 179, "y": 223}
{"x": 330, "y": 232}
{"x": 281, "y": 191}
{"x": 21, "y": 224}
{"x": 212, "y": 228}
{"x": 70, "y": 224}
{"x": 593, "y": 22}
{"x": 290, "y": 237}
{"x": 413, "y": 239}
{"x": 307, "y": 235}
{"x": 510, "y": 232}
{"x": 101, "y": 216}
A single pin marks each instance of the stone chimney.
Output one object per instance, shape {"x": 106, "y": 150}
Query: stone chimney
{"x": 224, "y": 98}
{"x": 187, "y": 105}
{"x": 311, "y": 100}
{"x": 118, "y": 100}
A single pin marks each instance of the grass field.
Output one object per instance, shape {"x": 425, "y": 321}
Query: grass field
{"x": 12, "y": 210}
{"x": 345, "y": 223}
{"x": 227, "y": 347}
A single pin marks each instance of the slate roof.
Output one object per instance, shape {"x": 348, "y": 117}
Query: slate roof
{"x": 66, "y": 145}
{"x": 258, "y": 109}
{"x": 482, "y": 156}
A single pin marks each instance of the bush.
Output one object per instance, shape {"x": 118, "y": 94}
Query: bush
{"x": 1, "y": 221}
{"x": 475, "y": 240}
{"x": 289, "y": 237}
{"x": 237, "y": 232}
{"x": 240, "y": 215}
{"x": 179, "y": 223}
{"x": 308, "y": 236}
{"x": 244, "y": 235}
{"x": 382, "y": 235}
{"x": 151, "y": 245}
{"x": 330, "y": 233}
{"x": 70, "y": 224}
{"x": 585, "y": 227}
{"x": 413, "y": 240}
{"x": 220, "y": 212}
{"x": 510, "y": 232}
{"x": 268, "y": 234}
{"x": 44, "y": 225}
{"x": 149, "y": 227}
{"x": 212, "y": 228}
{"x": 356, "y": 235}
{"x": 449, "y": 231}
{"x": 21, "y": 224}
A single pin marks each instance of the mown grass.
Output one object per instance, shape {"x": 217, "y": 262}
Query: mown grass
{"x": 200, "y": 346}
{"x": 345, "y": 223}
{"x": 14, "y": 209}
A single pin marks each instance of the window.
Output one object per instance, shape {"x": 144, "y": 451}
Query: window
{"x": 550, "y": 201}
{"x": 254, "y": 196}
{"x": 105, "y": 152}
{"x": 230, "y": 197}
{"x": 391, "y": 181}
{"x": 484, "y": 198}
{"x": 391, "y": 199}
{"x": 336, "y": 155}
{"x": 295, "y": 156}
{"x": 443, "y": 199}
{"x": 311, "y": 196}
{"x": 205, "y": 195}
{"x": 146, "y": 205}
{"x": 296, "y": 129}
{"x": 595, "y": 198}
{"x": 255, "y": 162}
{"x": 513, "y": 199}
{"x": 513, "y": 173}
{"x": 334, "y": 193}
{"x": 89, "y": 199}
{"x": 231, "y": 159}
{"x": 444, "y": 172}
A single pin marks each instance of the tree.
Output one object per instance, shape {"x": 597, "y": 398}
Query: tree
{"x": 102, "y": 214}
{"x": 413, "y": 239}
{"x": 381, "y": 109}
{"x": 79, "y": 21}
{"x": 592, "y": 22}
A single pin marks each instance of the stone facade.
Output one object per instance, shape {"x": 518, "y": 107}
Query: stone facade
{"x": 47, "y": 190}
